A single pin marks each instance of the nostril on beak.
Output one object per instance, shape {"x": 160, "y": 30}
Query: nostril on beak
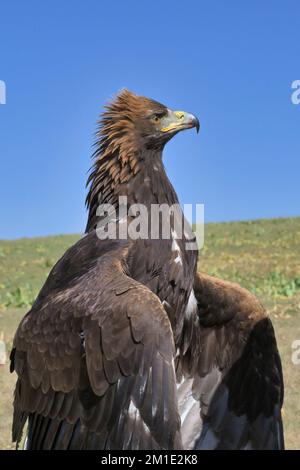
{"x": 179, "y": 114}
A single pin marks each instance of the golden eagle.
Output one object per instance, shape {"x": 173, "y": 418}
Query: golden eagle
{"x": 127, "y": 346}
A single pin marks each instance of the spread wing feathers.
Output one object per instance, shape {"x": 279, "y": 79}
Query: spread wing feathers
{"x": 236, "y": 372}
{"x": 94, "y": 359}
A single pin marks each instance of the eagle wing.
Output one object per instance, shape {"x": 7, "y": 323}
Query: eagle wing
{"x": 233, "y": 372}
{"x": 94, "y": 359}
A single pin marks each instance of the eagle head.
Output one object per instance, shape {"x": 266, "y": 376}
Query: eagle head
{"x": 146, "y": 122}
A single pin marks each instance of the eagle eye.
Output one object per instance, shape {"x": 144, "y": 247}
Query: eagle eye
{"x": 157, "y": 116}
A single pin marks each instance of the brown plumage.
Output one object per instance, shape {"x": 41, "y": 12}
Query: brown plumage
{"x": 127, "y": 348}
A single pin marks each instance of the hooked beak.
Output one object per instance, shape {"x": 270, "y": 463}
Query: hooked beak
{"x": 176, "y": 121}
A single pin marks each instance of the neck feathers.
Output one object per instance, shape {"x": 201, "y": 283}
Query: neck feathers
{"x": 124, "y": 167}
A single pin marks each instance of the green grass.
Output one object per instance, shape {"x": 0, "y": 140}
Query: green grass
{"x": 262, "y": 255}
{"x": 25, "y": 264}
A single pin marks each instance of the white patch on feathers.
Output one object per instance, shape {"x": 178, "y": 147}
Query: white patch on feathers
{"x": 192, "y": 305}
{"x": 176, "y": 248}
{"x": 135, "y": 415}
{"x": 189, "y": 409}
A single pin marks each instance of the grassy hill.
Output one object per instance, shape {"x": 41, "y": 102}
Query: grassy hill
{"x": 262, "y": 255}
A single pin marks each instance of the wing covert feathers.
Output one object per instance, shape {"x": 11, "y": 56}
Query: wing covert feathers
{"x": 95, "y": 366}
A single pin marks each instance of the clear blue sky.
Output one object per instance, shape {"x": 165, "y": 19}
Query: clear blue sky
{"x": 231, "y": 63}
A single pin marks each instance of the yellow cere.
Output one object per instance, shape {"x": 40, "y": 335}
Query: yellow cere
{"x": 179, "y": 114}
